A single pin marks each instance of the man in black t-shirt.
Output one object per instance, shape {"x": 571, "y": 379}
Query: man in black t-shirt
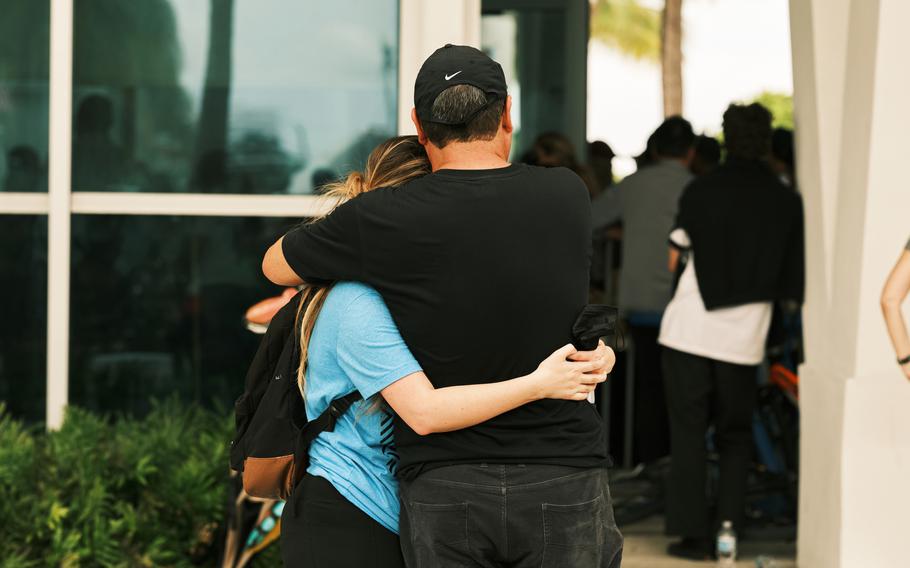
{"x": 484, "y": 267}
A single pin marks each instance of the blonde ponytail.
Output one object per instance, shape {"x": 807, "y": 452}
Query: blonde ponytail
{"x": 392, "y": 163}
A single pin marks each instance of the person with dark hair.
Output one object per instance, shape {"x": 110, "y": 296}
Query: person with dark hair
{"x": 600, "y": 160}
{"x": 647, "y": 156}
{"x": 23, "y": 170}
{"x": 99, "y": 162}
{"x": 600, "y": 163}
{"x": 645, "y": 204}
{"x": 483, "y": 265}
{"x": 555, "y": 150}
{"x": 742, "y": 231}
{"x": 706, "y": 157}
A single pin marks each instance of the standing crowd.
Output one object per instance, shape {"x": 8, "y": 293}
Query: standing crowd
{"x": 699, "y": 329}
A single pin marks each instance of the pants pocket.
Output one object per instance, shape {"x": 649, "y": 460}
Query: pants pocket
{"x": 573, "y": 534}
{"x": 439, "y": 534}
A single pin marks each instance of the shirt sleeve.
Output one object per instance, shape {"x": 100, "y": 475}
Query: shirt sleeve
{"x": 370, "y": 349}
{"x": 679, "y": 239}
{"x": 794, "y": 286}
{"x": 329, "y": 249}
{"x": 606, "y": 209}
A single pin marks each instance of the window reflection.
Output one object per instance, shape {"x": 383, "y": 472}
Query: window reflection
{"x": 23, "y": 95}
{"x": 157, "y": 307}
{"x": 530, "y": 42}
{"x": 23, "y": 305}
{"x": 229, "y": 96}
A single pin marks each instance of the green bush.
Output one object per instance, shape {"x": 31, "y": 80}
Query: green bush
{"x": 125, "y": 492}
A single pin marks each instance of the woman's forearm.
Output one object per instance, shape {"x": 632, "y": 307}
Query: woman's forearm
{"x": 893, "y": 295}
{"x": 453, "y": 408}
{"x": 428, "y": 410}
{"x": 565, "y": 374}
{"x": 897, "y": 329}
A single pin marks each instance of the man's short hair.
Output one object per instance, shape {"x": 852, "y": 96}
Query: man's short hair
{"x": 747, "y": 131}
{"x": 477, "y": 115}
{"x": 674, "y": 138}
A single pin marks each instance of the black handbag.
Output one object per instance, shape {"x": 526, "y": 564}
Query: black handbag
{"x": 595, "y": 322}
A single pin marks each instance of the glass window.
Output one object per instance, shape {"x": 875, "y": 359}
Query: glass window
{"x": 529, "y": 44}
{"x": 544, "y": 59}
{"x": 157, "y": 307}
{"x": 23, "y": 95}
{"x": 23, "y": 305}
{"x": 229, "y": 96}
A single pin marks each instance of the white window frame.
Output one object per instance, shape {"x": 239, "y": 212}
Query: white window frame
{"x": 59, "y": 158}
{"x": 421, "y": 30}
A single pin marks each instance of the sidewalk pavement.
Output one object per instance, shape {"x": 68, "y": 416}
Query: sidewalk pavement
{"x": 646, "y": 545}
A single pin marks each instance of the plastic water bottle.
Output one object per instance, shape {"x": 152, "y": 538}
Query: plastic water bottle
{"x": 726, "y": 545}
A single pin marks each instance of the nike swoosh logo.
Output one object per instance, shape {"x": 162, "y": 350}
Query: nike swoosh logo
{"x": 453, "y": 74}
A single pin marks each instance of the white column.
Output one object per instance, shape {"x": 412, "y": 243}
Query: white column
{"x": 58, "y": 215}
{"x": 818, "y": 45}
{"x": 851, "y": 79}
{"x": 424, "y": 27}
{"x": 876, "y": 493}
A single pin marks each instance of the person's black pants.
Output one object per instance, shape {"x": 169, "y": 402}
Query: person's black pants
{"x": 652, "y": 429}
{"x": 701, "y": 391}
{"x": 520, "y": 516}
{"x": 322, "y": 529}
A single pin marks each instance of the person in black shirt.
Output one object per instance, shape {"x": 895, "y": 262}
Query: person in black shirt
{"x": 484, "y": 267}
{"x": 742, "y": 231}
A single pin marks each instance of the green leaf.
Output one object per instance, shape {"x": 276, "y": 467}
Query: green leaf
{"x": 114, "y": 492}
{"x": 781, "y": 107}
{"x": 628, "y": 26}
{"x": 57, "y": 515}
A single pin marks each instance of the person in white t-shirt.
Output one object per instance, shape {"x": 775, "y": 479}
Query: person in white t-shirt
{"x": 742, "y": 231}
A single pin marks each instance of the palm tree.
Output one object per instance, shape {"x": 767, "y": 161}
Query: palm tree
{"x": 647, "y": 34}
{"x": 628, "y": 26}
{"x": 212, "y": 131}
{"x": 671, "y": 57}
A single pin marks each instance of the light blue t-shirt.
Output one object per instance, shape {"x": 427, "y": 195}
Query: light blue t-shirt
{"x": 356, "y": 346}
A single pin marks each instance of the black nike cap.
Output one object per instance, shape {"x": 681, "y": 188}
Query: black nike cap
{"x": 456, "y": 65}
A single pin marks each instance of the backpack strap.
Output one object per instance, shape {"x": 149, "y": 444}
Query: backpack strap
{"x": 312, "y": 429}
{"x": 335, "y": 410}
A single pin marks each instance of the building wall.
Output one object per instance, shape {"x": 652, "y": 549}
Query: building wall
{"x": 850, "y": 83}
{"x": 424, "y": 28}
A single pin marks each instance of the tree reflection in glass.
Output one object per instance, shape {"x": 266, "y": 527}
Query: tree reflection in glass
{"x": 229, "y": 96}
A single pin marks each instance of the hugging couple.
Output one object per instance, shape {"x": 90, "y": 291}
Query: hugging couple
{"x": 449, "y": 276}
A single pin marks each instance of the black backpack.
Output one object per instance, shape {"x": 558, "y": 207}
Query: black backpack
{"x": 272, "y": 440}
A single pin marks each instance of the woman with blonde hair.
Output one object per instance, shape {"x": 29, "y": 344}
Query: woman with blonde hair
{"x": 896, "y": 289}
{"x": 345, "y": 512}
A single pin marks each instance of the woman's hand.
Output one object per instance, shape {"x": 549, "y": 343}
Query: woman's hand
{"x": 602, "y": 353}
{"x": 561, "y": 378}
